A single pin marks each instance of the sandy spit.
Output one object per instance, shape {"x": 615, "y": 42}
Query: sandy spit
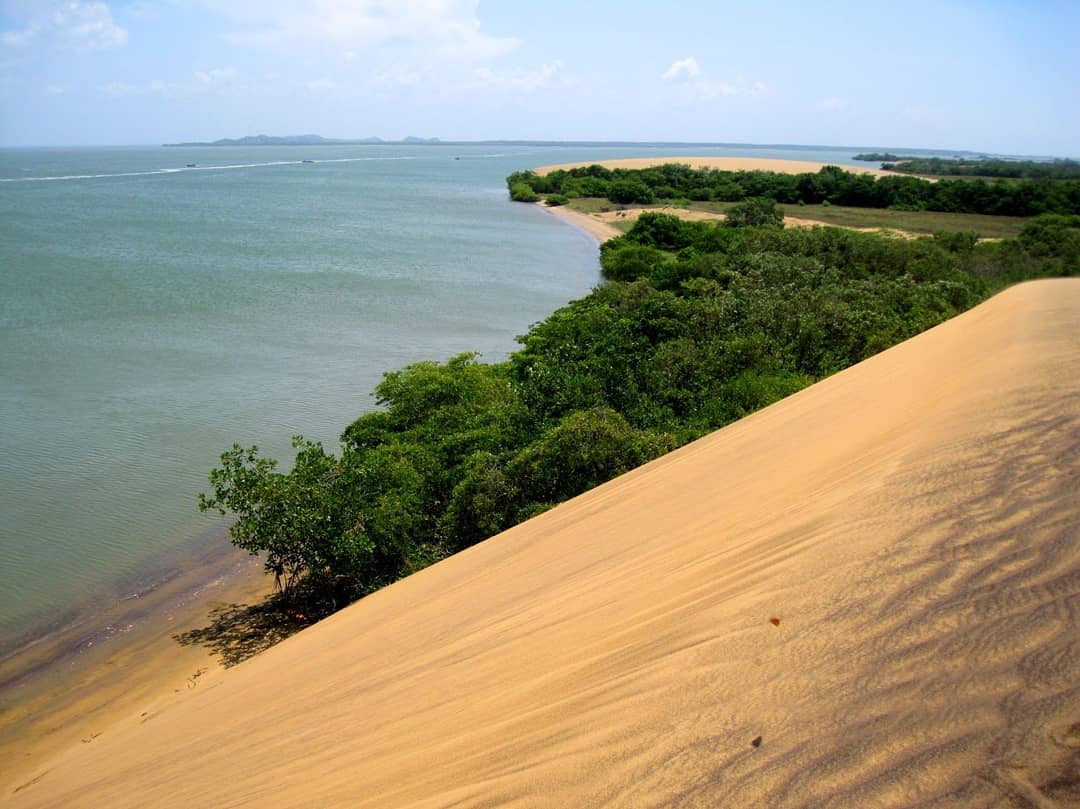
{"x": 721, "y": 163}
{"x": 865, "y": 595}
{"x": 596, "y": 225}
{"x": 601, "y": 225}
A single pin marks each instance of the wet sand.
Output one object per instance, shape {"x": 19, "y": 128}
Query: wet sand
{"x": 105, "y": 663}
{"x": 867, "y": 594}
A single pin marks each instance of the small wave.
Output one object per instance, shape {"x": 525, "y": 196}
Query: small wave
{"x": 230, "y": 166}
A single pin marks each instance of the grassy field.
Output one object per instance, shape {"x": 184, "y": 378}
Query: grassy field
{"x": 988, "y": 227}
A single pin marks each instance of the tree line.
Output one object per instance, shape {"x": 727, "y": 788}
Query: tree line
{"x": 696, "y": 325}
{"x": 832, "y": 184}
{"x": 985, "y": 167}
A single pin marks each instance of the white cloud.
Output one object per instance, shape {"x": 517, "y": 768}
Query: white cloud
{"x": 119, "y": 89}
{"x": 397, "y": 77}
{"x": 217, "y": 75}
{"x": 442, "y": 28}
{"x": 694, "y": 84}
{"x": 70, "y": 23}
{"x": 17, "y": 39}
{"x": 833, "y": 104}
{"x": 154, "y": 87}
{"x": 321, "y": 84}
{"x": 682, "y": 68}
{"x": 525, "y": 81}
{"x": 201, "y": 83}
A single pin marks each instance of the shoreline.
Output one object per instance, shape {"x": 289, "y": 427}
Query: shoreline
{"x": 816, "y": 583}
{"x": 94, "y": 666}
{"x": 599, "y": 225}
{"x": 597, "y": 230}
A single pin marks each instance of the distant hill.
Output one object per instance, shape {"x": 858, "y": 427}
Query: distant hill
{"x": 298, "y": 140}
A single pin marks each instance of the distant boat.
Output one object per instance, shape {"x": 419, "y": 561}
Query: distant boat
{"x": 307, "y": 161}
{"x": 192, "y": 165}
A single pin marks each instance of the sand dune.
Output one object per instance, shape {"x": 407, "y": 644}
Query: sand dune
{"x": 911, "y": 523}
{"x": 722, "y": 163}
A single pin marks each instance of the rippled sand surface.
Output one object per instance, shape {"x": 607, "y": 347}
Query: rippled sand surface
{"x": 867, "y": 594}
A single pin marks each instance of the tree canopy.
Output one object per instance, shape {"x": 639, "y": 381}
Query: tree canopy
{"x": 1043, "y": 187}
{"x": 696, "y": 325}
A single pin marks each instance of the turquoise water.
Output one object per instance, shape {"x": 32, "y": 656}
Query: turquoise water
{"x": 152, "y": 314}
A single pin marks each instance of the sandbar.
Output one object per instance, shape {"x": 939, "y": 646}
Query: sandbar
{"x": 721, "y": 163}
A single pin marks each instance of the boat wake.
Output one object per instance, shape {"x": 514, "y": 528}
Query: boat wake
{"x": 181, "y": 170}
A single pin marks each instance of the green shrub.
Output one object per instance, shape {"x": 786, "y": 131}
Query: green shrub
{"x": 755, "y": 211}
{"x": 522, "y": 192}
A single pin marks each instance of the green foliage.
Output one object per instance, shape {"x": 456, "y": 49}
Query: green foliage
{"x": 984, "y": 167}
{"x": 522, "y": 192}
{"x": 556, "y": 199}
{"x": 754, "y": 212}
{"x": 696, "y": 326}
{"x": 627, "y": 192}
{"x": 1040, "y": 187}
{"x": 308, "y": 522}
{"x": 585, "y": 449}
{"x": 957, "y": 241}
{"x": 632, "y": 262}
{"x": 880, "y": 157}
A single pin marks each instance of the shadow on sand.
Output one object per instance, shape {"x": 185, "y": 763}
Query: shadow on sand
{"x": 239, "y": 631}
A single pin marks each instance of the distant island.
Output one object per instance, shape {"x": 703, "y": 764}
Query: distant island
{"x": 881, "y": 157}
{"x": 300, "y": 140}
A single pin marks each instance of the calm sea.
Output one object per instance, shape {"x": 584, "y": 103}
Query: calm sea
{"x": 152, "y": 314}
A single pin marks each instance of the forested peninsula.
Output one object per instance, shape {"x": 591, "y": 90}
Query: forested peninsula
{"x": 1058, "y": 169}
{"x": 695, "y": 325}
{"x": 1010, "y": 169}
{"x": 832, "y": 185}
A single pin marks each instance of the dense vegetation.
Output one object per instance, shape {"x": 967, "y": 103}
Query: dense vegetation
{"x": 881, "y": 157}
{"x": 985, "y": 167}
{"x": 831, "y": 184}
{"x": 696, "y": 325}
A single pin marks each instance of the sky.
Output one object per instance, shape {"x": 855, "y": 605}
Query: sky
{"x": 996, "y": 77}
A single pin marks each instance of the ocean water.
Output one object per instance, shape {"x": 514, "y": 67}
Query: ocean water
{"x": 152, "y": 314}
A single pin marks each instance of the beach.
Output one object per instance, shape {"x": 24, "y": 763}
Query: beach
{"x": 153, "y": 315}
{"x": 864, "y": 594}
{"x": 719, "y": 163}
{"x": 137, "y": 651}
{"x": 601, "y": 225}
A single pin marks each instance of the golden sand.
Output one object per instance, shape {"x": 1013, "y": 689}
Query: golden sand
{"x": 721, "y": 163}
{"x": 69, "y": 685}
{"x": 864, "y": 595}
{"x": 601, "y": 225}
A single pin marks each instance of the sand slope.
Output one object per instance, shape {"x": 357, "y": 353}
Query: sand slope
{"x": 912, "y": 522}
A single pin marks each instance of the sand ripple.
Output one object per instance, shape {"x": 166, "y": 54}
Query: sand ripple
{"x": 875, "y": 579}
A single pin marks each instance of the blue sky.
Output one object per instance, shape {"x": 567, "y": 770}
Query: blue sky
{"x": 987, "y": 76}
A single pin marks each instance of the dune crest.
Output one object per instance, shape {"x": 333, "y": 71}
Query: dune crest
{"x": 867, "y": 594}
